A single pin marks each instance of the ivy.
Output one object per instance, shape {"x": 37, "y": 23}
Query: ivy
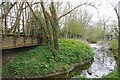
{"x": 40, "y": 60}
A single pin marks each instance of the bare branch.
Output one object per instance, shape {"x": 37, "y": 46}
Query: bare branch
{"x": 32, "y": 4}
{"x": 115, "y": 8}
{"x": 112, "y": 4}
{"x": 32, "y": 10}
{"x": 89, "y": 4}
{"x": 116, "y": 13}
{"x": 6, "y": 13}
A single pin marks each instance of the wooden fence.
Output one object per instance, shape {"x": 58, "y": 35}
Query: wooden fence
{"x": 15, "y": 41}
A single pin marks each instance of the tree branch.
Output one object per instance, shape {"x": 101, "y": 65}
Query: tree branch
{"x": 6, "y": 13}
{"x": 116, "y": 13}
{"x": 75, "y": 8}
{"x": 32, "y": 11}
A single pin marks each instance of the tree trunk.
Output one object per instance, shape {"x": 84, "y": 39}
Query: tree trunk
{"x": 6, "y": 13}
{"x": 16, "y": 24}
{"x": 6, "y": 26}
{"x": 23, "y": 25}
{"x": 47, "y": 25}
{"x": 104, "y": 36}
{"x": 119, "y": 47}
{"x": 55, "y": 26}
{"x": 118, "y": 61}
{"x": 39, "y": 22}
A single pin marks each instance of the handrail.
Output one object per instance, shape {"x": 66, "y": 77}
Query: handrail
{"x": 24, "y": 35}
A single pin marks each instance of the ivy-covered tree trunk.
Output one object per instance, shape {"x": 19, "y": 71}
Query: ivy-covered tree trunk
{"x": 48, "y": 26}
{"x": 118, "y": 17}
{"x": 55, "y": 25}
{"x": 52, "y": 30}
{"x": 119, "y": 46}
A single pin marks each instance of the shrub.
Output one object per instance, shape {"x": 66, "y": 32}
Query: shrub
{"x": 114, "y": 48}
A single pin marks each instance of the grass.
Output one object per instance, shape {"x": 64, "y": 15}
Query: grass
{"x": 114, "y": 48}
{"x": 40, "y": 60}
{"x": 113, "y": 74}
{"x": 81, "y": 77}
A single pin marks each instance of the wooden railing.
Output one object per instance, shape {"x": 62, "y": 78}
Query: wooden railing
{"x": 15, "y": 41}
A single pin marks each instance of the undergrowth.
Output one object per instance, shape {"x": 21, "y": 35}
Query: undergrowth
{"x": 113, "y": 74}
{"x": 40, "y": 60}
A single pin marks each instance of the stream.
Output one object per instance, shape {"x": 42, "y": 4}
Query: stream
{"x": 103, "y": 63}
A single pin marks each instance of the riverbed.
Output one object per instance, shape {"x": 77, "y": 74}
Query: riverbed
{"x": 103, "y": 63}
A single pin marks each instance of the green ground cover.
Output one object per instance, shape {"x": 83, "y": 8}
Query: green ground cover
{"x": 113, "y": 74}
{"x": 40, "y": 60}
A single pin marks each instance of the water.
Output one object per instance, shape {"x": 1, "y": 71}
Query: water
{"x": 104, "y": 61}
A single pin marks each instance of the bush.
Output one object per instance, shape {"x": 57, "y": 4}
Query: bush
{"x": 40, "y": 60}
{"x": 114, "y": 48}
{"x": 94, "y": 34}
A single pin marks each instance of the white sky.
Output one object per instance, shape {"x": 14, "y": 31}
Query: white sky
{"x": 105, "y": 9}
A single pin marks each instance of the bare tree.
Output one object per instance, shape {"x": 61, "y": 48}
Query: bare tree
{"x": 54, "y": 20}
{"x": 47, "y": 25}
{"x": 104, "y": 22}
{"x": 16, "y": 24}
{"x": 6, "y": 13}
{"x": 115, "y": 7}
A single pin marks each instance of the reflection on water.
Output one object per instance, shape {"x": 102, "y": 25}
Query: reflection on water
{"x": 103, "y": 61}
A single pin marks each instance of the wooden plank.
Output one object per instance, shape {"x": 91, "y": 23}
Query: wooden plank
{"x": 8, "y": 42}
{"x": 19, "y": 41}
{"x": 35, "y": 41}
{"x": 28, "y": 41}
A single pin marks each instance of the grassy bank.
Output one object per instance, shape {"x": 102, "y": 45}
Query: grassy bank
{"x": 113, "y": 74}
{"x": 40, "y": 60}
{"x": 114, "y": 48}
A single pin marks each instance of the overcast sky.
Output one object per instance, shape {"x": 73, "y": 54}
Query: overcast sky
{"x": 106, "y": 10}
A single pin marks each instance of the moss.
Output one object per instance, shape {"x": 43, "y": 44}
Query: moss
{"x": 40, "y": 60}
